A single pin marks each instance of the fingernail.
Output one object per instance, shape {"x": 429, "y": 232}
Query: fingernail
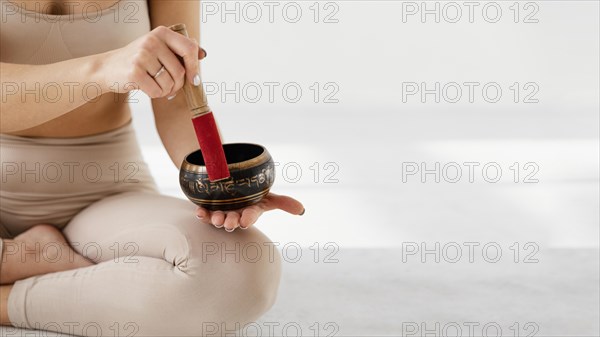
{"x": 244, "y": 228}
{"x": 230, "y": 230}
{"x": 204, "y": 50}
{"x": 218, "y": 226}
{"x": 303, "y": 210}
{"x": 199, "y": 217}
{"x": 197, "y": 80}
{"x": 171, "y": 97}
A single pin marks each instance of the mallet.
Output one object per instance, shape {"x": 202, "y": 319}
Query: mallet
{"x": 205, "y": 126}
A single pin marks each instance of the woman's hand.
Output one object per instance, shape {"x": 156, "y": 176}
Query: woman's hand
{"x": 246, "y": 217}
{"x": 139, "y": 64}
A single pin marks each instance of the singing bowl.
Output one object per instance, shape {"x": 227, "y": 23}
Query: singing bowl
{"x": 251, "y": 171}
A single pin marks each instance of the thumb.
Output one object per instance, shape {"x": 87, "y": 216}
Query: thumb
{"x": 286, "y": 203}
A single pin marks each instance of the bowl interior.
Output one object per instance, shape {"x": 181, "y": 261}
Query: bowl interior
{"x": 234, "y": 153}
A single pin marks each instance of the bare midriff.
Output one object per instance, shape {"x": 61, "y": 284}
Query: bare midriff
{"x": 101, "y": 115}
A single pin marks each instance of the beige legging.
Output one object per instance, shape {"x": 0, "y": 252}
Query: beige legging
{"x": 158, "y": 271}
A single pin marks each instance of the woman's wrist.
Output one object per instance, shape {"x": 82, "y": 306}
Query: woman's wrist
{"x": 95, "y": 68}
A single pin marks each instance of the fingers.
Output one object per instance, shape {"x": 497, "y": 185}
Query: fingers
{"x": 201, "y": 53}
{"x": 179, "y": 55}
{"x": 174, "y": 68}
{"x": 186, "y": 48}
{"x": 164, "y": 81}
{"x": 150, "y": 64}
{"x": 202, "y": 213}
{"x": 146, "y": 83}
{"x": 246, "y": 217}
{"x": 231, "y": 221}
{"x": 217, "y": 219}
{"x": 284, "y": 203}
{"x": 249, "y": 216}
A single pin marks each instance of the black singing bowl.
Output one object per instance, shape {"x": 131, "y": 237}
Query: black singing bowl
{"x": 252, "y": 175}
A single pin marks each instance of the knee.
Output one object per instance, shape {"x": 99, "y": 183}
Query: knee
{"x": 247, "y": 266}
{"x": 230, "y": 281}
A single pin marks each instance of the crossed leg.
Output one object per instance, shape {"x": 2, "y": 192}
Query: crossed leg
{"x": 158, "y": 272}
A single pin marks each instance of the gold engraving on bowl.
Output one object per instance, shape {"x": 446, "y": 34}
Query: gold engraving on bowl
{"x": 266, "y": 176}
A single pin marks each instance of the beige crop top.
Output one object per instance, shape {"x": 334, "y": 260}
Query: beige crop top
{"x": 29, "y": 37}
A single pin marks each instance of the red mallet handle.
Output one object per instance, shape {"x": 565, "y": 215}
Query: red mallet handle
{"x": 210, "y": 144}
{"x": 205, "y": 126}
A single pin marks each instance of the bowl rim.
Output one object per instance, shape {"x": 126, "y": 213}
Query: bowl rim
{"x": 262, "y": 158}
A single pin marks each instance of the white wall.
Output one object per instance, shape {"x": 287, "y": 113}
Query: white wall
{"x": 368, "y": 130}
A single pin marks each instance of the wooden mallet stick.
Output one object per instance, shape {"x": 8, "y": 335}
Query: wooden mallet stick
{"x": 205, "y": 126}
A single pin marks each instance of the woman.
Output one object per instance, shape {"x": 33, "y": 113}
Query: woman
{"x": 89, "y": 247}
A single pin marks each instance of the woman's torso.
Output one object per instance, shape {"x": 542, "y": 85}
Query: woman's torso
{"x": 51, "y": 172}
{"x": 44, "y": 32}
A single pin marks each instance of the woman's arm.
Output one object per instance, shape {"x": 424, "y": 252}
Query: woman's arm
{"x": 174, "y": 125}
{"x": 23, "y": 104}
{"x": 120, "y": 70}
{"x": 172, "y": 117}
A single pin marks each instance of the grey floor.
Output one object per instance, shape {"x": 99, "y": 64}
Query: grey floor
{"x": 373, "y": 293}
{"x": 370, "y": 292}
